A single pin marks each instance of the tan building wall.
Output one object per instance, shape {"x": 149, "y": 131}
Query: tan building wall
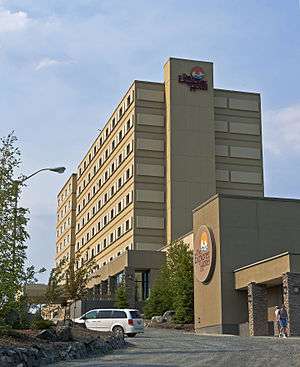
{"x": 66, "y": 221}
{"x": 246, "y": 230}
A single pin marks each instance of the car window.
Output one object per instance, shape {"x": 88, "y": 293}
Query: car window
{"x": 105, "y": 314}
{"x": 91, "y": 315}
{"x": 135, "y": 314}
{"x": 119, "y": 315}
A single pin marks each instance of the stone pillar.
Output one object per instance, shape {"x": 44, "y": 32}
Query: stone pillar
{"x": 103, "y": 288}
{"x": 257, "y": 309}
{"x": 111, "y": 286}
{"x": 291, "y": 299}
{"x": 129, "y": 279}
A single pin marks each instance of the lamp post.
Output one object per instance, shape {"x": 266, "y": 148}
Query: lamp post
{"x": 16, "y": 184}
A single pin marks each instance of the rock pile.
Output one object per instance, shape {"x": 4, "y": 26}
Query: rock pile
{"x": 64, "y": 344}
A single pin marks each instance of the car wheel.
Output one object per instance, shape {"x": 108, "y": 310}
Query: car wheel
{"x": 118, "y": 331}
{"x": 131, "y": 335}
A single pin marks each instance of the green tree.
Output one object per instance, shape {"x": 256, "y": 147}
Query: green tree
{"x": 174, "y": 287}
{"x": 160, "y": 299}
{"x": 13, "y": 234}
{"x": 67, "y": 284}
{"x": 180, "y": 269}
{"x": 121, "y": 296}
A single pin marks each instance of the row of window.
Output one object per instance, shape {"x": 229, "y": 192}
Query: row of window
{"x": 64, "y": 194}
{"x": 104, "y": 198}
{"x": 107, "y": 131}
{"x": 107, "y": 241}
{"x": 62, "y": 213}
{"x": 63, "y": 227}
{"x": 103, "y": 158}
{"x": 66, "y": 242}
{"x": 66, "y": 257}
{"x": 105, "y": 220}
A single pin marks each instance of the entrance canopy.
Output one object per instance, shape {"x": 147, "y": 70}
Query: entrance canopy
{"x": 268, "y": 271}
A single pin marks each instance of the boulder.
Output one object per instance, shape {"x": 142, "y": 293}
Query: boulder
{"x": 47, "y": 334}
{"x": 157, "y": 319}
{"x": 168, "y": 315}
{"x": 64, "y": 333}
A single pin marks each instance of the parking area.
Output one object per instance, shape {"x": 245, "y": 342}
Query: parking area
{"x": 171, "y": 348}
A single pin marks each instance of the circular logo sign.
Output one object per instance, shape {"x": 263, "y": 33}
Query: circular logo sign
{"x": 198, "y": 73}
{"x": 204, "y": 254}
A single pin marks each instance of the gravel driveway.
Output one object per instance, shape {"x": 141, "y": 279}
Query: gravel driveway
{"x": 174, "y": 348}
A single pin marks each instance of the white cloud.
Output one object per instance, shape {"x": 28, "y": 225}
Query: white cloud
{"x": 282, "y": 130}
{"x": 11, "y": 22}
{"x": 47, "y": 62}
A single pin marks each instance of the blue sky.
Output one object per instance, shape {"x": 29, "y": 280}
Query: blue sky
{"x": 65, "y": 64}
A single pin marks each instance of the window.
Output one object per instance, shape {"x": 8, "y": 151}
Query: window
{"x": 93, "y": 231}
{"x": 83, "y": 183}
{"x": 100, "y": 182}
{"x": 120, "y": 112}
{"x": 83, "y": 202}
{"x": 127, "y": 199}
{"x": 89, "y": 177}
{"x": 98, "y": 247}
{"x": 90, "y": 157}
{"x": 127, "y": 225}
{"x": 111, "y": 259}
{"x": 128, "y": 149}
{"x": 127, "y": 174}
{"x": 106, "y": 133}
{"x": 113, "y": 145}
{"x": 119, "y": 231}
{"x": 104, "y": 245}
{"x": 99, "y": 226}
{"x": 105, "y": 198}
{"x": 113, "y": 168}
{"x": 141, "y": 287}
{"x": 119, "y": 315}
{"x": 95, "y": 170}
{"x": 100, "y": 142}
{"x": 128, "y": 125}
{"x": 89, "y": 197}
{"x": 120, "y": 159}
{"x": 119, "y": 182}
{"x": 104, "y": 314}
{"x": 100, "y": 162}
{"x": 112, "y": 190}
{"x": 88, "y": 216}
{"x": 119, "y": 206}
{"x": 105, "y": 220}
{"x": 111, "y": 237}
{"x": 94, "y": 189}
{"x": 106, "y": 153}
{"x": 113, "y": 122}
{"x": 120, "y": 135}
{"x": 91, "y": 315}
{"x": 128, "y": 101}
{"x": 135, "y": 314}
{"x": 93, "y": 253}
{"x": 87, "y": 237}
{"x": 106, "y": 175}
{"x": 95, "y": 149}
{"x": 94, "y": 210}
{"x": 111, "y": 214}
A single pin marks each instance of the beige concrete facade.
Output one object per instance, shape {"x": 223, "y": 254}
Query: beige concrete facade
{"x": 252, "y": 236}
{"x": 165, "y": 149}
{"x": 66, "y": 221}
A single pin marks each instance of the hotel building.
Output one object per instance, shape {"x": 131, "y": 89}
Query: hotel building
{"x": 167, "y": 147}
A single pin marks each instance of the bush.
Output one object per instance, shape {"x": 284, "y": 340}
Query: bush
{"x": 121, "y": 296}
{"x": 174, "y": 288}
{"x": 41, "y": 324}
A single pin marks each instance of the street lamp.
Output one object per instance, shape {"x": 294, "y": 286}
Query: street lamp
{"x": 16, "y": 184}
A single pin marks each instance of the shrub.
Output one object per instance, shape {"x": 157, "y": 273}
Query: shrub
{"x": 174, "y": 288}
{"x": 121, "y": 296}
{"x": 41, "y": 324}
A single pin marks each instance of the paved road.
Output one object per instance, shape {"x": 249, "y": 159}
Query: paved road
{"x": 161, "y": 348}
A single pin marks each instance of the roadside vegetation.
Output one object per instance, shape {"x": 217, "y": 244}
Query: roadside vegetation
{"x": 14, "y": 275}
{"x": 174, "y": 287}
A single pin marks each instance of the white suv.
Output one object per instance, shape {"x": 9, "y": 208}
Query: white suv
{"x": 119, "y": 321}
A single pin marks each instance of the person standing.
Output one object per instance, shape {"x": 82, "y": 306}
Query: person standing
{"x": 277, "y": 318}
{"x": 283, "y": 320}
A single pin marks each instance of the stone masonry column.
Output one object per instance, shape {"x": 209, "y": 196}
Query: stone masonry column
{"x": 129, "y": 279}
{"x": 257, "y": 309}
{"x": 103, "y": 288}
{"x": 291, "y": 299}
{"x": 111, "y": 286}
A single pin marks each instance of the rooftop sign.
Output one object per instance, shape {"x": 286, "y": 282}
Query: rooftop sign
{"x": 195, "y": 80}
